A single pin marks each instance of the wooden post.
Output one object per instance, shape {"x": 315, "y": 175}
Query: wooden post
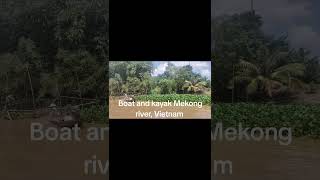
{"x": 79, "y": 87}
{"x": 7, "y": 91}
{"x": 9, "y": 116}
{"x": 31, "y": 87}
{"x": 59, "y": 95}
{"x": 252, "y": 8}
{"x": 233, "y": 84}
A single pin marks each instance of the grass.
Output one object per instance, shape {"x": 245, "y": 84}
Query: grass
{"x": 303, "y": 119}
{"x": 205, "y": 99}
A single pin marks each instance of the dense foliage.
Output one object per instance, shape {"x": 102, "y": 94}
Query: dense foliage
{"x": 133, "y": 77}
{"x": 303, "y": 119}
{"x": 94, "y": 114}
{"x": 205, "y": 99}
{"x": 250, "y": 65}
{"x": 53, "y": 48}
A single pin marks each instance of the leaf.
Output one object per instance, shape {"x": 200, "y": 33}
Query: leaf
{"x": 253, "y": 86}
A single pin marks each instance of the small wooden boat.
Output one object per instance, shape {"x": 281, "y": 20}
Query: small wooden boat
{"x": 69, "y": 124}
{"x": 70, "y": 118}
{"x": 129, "y": 98}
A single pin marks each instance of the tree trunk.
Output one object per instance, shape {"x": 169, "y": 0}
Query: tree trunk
{"x": 247, "y": 97}
{"x": 7, "y": 92}
{"x": 252, "y": 8}
{"x": 79, "y": 87}
{"x": 232, "y": 83}
{"x": 59, "y": 95}
{"x": 31, "y": 87}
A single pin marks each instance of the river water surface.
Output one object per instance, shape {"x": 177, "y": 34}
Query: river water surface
{"x": 21, "y": 158}
{"x": 268, "y": 160}
{"x": 24, "y": 159}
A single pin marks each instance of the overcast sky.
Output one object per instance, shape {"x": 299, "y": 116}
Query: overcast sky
{"x": 200, "y": 67}
{"x": 299, "y": 19}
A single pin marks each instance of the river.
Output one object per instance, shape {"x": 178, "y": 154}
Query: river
{"x": 24, "y": 159}
{"x": 21, "y": 158}
{"x": 268, "y": 160}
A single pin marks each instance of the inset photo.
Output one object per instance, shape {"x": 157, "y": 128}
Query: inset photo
{"x": 160, "y": 90}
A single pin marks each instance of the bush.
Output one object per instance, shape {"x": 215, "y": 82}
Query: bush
{"x": 303, "y": 119}
{"x": 156, "y": 90}
{"x": 205, "y": 99}
{"x": 94, "y": 114}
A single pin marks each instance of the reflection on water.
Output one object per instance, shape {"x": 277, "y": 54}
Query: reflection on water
{"x": 21, "y": 158}
{"x": 116, "y": 112}
{"x": 269, "y": 160}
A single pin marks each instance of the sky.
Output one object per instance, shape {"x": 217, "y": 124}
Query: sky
{"x": 296, "y": 18}
{"x": 201, "y": 67}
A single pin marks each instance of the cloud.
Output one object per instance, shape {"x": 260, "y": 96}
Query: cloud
{"x": 305, "y": 36}
{"x": 201, "y": 67}
{"x": 286, "y": 9}
{"x": 159, "y": 69}
{"x": 280, "y": 17}
{"x": 277, "y": 14}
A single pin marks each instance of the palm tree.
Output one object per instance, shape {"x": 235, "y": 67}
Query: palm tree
{"x": 252, "y": 8}
{"x": 268, "y": 78}
{"x": 194, "y": 86}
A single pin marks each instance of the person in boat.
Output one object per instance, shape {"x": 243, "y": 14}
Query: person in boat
{"x": 69, "y": 118}
{"x": 129, "y": 98}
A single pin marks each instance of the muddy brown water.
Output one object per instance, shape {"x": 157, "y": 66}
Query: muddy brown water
{"x": 122, "y": 112}
{"x": 21, "y": 158}
{"x": 268, "y": 160}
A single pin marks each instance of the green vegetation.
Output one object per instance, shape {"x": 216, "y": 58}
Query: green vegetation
{"x": 205, "y": 99}
{"x": 278, "y": 80}
{"x": 303, "y": 119}
{"x": 133, "y": 77}
{"x": 94, "y": 114}
{"x": 250, "y": 65}
{"x": 53, "y": 48}
{"x": 266, "y": 73}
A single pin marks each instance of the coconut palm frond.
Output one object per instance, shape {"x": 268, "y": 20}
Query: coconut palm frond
{"x": 242, "y": 79}
{"x": 247, "y": 67}
{"x": 297, "y": 84}
{"x": 201, "y": 84}
{"x": 270, "y": 79}
{"x": 194, "y": 88}
{"x": 292, "y": 69}
{"x": 253, "y": 86}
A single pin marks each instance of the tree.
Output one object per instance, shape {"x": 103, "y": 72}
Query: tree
{"x": 133, "y": 84}
{"x": 167, "y": 86}
{"x": 10, "y": 73}
{"x": 240, "y": 37}
{"x": 235, "y": 37}
{"x": 269, "y": 79}
{"x": 61, "y": 47}
{"x": 31, "y": 61}
{"x": 146, "y": 83}
{"x": 194, "y": 86}
{"x": 115, "y": 85}
{"x": 135, "y": 76}
{"x": 78, "y": 72}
